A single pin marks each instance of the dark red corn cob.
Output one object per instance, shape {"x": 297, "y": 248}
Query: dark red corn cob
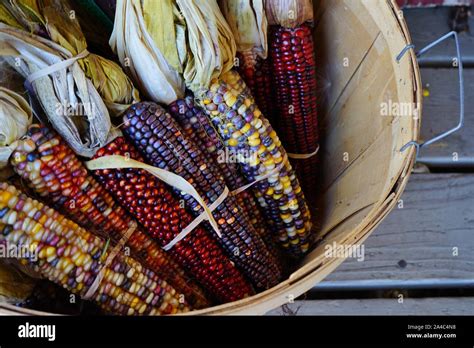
{"x": 52, "y": 170}
{"x": 294, "y": 74}
{"x": 200, "y": 131}
{"x": 151, "y": 202}
{"x": 256, "y": 73}
{"x": 159, "y": 138}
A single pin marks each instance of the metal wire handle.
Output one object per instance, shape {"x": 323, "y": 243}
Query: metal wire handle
{"x": 461, "y": 89}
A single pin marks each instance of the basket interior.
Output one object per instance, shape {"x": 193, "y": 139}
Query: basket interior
{"x": 362, "y": 168}
{"x": 360, "y": 84}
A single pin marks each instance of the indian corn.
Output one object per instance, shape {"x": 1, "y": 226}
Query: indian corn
{"x": 68, "y": 255}
{"x": 159, "y": 138}
{"x": 152, "y": 203}
{"x": 201, "y": 132}
{"x": 294, "y": 76}
{"x": 53, "y": 171}
{"x": 248, "y": 133}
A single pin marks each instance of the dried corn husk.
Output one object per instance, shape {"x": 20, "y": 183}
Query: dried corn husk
{"x": 15, "y": 117}
{"x": 7, "y": 17}
{"x": 149, "y": 39}
{"x": 289, "y": 13}
{"x": 15, "y": 286}
{"x": 210, "y": 42}
{"x": 57, "y": 19}
{"x": 248, "y": 22}
{"x": 86, "y": 127}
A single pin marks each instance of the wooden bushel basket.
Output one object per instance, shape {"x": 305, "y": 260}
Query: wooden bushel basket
{"x": 364, "y": 171}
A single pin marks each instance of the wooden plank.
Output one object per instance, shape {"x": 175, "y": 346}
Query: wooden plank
{"x": 410, "y": 306}
{"x": 441, "y": 112}
{"x": 416, "y": 244}
{"x": 424, "y": 3}
{"x": 427, "y": 25}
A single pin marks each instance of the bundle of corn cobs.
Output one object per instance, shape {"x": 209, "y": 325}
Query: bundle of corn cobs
{"x": 138, "y": 170}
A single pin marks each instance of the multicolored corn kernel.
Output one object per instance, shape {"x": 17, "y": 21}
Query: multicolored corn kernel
{"x": 160, "y": 140}
{"x": 250, "y": 137}
{"x": 257, "y": 74}
{"x": 151, "y": 202}
{"x": 294, "y": 83}
{"x": 67, "y": 254}
{"x": 51, "y": 169}
{"x": 200, "y": 131}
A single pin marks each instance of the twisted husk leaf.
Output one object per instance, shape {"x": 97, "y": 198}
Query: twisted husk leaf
{"x": 57, "y": 19}
{"x": 210, "y": 41}
{"x": 149, "y": 39}
{"x": 15, "y": 118}
{"x": 248, "y": 22}
{"x": 86, "y": 131}
{"x": 289, "y": 13}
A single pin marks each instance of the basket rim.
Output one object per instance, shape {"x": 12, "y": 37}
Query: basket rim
{"x": 297, "y": 285}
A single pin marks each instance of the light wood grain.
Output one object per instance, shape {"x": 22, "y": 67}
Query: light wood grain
{"x": 410, "y": 306}
{"x": 416, "y": 244}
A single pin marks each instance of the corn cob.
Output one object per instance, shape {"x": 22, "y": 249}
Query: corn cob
{"x": 294, "y": 73}
{"x": 160, "y": 140}
{"x": 200, "y": 131}
{"x": 256, "y": 72}
{"x": 150, "y": 201}
{"x": 70, "y": 256}
{"x": 52, "y": 170}
{"x": 246, "y": 131}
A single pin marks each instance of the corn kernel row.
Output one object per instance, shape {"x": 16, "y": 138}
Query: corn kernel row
{"x": 293, "y": 70}
{"x": 152, "y": 203}
{"x": 52, "y": 170}
{"x": 199, "y": 130}
{"x": 248, "y": 133}
{"x": 70, "y": 256}
{"x": 160, "y": 140}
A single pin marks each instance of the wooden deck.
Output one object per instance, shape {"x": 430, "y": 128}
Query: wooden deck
{"x": 420, "y": 260}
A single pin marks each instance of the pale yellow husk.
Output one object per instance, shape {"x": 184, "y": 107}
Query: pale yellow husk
{"x": 15, "y": 117}
{"x": 210, "y": 41}
{"x": 89, "y": 128}
{"x": 14, "y": 285}
{"x": 57, "y": 18}
{"x": 289, "y": 13}
{"x": 248, "y": 22}
{"x": 149, "y": 39}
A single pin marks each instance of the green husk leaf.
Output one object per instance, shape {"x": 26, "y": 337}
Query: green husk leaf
{"x": 7, "y": 17}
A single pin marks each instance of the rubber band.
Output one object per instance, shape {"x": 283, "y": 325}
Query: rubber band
{"x": 100, "y": 276}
